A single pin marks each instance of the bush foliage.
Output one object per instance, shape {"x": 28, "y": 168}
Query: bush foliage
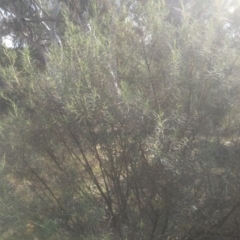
{"x": 126, "y": 135}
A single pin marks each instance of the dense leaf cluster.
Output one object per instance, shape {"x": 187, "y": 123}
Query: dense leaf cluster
{"x": 130, "y": 131}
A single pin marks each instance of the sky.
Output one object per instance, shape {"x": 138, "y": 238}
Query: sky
{"x": 7, "y": 41}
